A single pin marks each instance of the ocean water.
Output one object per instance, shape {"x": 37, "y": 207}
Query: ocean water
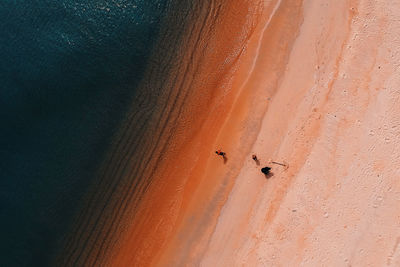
{"x": 68, "y": 69}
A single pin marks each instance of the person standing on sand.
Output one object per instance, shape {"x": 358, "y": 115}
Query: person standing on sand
{"x": 220, "y": 153}
{"x": 266, "y": 170}
{"x": 256, "y": 160}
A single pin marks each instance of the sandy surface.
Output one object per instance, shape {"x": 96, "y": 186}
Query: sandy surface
{"x": 334, "y": 116}
{"x": 312, "y": 83}
{"x": 335, "y": 120}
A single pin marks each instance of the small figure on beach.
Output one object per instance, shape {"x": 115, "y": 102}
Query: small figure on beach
{"x": 266, "y": 170}
{"x": 220, "y": 153}
{"x": 254, "y": 157}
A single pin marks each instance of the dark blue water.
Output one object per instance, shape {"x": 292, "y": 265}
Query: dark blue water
{"x": 67, "y": 71}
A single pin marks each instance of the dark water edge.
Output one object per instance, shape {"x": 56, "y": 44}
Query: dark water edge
{"x": 68, "y": 71}
{"x": 112, "y": 201}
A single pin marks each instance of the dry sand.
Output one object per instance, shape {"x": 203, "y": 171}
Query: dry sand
{"x": 314, "y": 83}
{"x": 335, "y": 119}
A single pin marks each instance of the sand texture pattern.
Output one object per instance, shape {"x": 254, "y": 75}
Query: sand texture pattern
{"x": 334, "y": 118}
{"x": 312, "y": 83}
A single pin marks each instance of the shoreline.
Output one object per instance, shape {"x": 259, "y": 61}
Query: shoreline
{"x": 174, "y": 188}
{"x": 127, "y": 169}
{"x": 135, "y": 165}
{"x": 311, "y": 83}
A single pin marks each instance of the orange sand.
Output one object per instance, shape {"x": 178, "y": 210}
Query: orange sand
{"x": 167, "y": 204}
{"x": 314, "y": 83}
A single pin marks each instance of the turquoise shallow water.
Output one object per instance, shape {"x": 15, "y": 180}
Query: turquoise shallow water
{"x": 68, "y": 69}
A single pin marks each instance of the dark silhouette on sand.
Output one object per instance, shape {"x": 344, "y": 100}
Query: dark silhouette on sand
{"x": 219, "y": 152}
{"x": 254, "y": 157}
{"x": 267, "y": 172}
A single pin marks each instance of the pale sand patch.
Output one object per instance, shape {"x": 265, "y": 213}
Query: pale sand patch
{"x": 335, "y": 119}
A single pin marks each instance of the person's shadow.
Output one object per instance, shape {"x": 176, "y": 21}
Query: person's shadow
{"x": 269, "y": 175}
{"x": 225, "y": 159}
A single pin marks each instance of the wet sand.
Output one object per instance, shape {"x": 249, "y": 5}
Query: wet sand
{"x": 126, "y": 216}
{"x": 310, "y": 83}
{"x": 191, "y": 170}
